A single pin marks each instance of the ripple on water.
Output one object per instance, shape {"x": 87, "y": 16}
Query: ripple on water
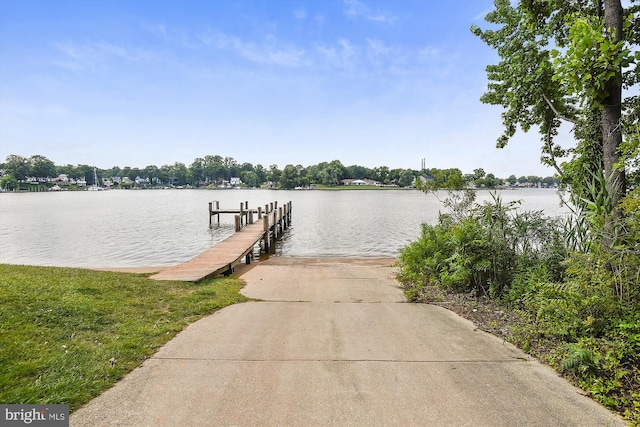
{"x": 156, "y": 228}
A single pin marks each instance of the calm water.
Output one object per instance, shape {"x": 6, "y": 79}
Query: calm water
{"x": 165, "y": 227}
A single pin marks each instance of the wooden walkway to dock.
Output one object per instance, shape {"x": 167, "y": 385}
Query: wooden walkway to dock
{"x": 224, "y": 256}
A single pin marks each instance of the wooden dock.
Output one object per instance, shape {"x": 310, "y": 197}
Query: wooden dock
{"x": 224, "y": 256}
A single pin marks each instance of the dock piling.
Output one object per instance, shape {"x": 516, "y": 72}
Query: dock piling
{"x": 275, "y": 220}
{"x": 265, "y": 228}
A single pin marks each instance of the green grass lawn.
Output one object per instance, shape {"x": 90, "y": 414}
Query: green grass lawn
{"x": 66, "y": 335}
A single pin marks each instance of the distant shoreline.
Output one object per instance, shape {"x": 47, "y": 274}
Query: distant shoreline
{"x": 320, "y": 188}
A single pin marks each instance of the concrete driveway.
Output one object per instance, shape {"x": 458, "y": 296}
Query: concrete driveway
{"x": 333, "y": 342}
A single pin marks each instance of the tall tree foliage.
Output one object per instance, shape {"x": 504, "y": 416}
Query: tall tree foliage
{"x": 568, "y": 60}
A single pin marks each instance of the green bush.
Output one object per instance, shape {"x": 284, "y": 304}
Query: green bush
{"x": 481, "y": 248}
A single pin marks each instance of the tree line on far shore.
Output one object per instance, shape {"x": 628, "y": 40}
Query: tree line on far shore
{"x": 215, "y": 170}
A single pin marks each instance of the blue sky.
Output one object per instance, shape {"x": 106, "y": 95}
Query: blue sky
{"x": 137, "y": 83}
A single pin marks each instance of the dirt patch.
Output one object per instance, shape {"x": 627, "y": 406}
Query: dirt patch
{"x": 485, "y": 314}
{"x": 489, "y": 316}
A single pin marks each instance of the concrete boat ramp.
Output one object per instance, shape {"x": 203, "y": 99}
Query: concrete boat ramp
{"x": 333, "y": 342}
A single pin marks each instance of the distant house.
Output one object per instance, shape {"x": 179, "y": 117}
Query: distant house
{"x": 360, "y": 182}
{"x": 142, "y": 181}
{"x": 235, "y": 181}
{"x": 62, "y": 179}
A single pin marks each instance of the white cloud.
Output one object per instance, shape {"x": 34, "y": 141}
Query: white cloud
{"x": 428, "y": 54}
{"x": 376, "y": 49}
{"x": 112, "y": 50}
{"x": 341, "y": 55}
{"x": 159, "y": 30}
{"x": 207, "y": 37}
{"x": 386, "y": 58}
{"x": 95, "y": 55}
{"x": 272, "y": 52}
{"x": 358, "y": 9}
{"x": 348, "y": 51}
{"x": 300, "y": 14}
{"x": 355, "y": 8}
{"x": 11, "y": 108}
{"x": 328, "y": 53}
{"x": 480, "y": 16}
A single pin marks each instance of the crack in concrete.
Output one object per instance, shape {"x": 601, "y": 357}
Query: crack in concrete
{"x": 224, "y": 359}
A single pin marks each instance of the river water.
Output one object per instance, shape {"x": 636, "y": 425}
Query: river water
{"x": 127, "y": 228}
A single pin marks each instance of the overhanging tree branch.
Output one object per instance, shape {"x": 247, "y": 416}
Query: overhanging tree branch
{"x": 552, "y": 156}
{"x": 557, "y": 113}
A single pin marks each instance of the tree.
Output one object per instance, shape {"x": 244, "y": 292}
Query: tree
{"x": 490, "y": 181}
{"x": 261, "y": 172}
{"x": 406, "y": 178}
{"x": 152, "y": 173}
{"x": 328, "y": 173}
{"x": 86, "y": 172}
{"x": 232, "y": 167}
{"x": 563, "y": 60}
{"x": 179, "y": 173}
{"x": 214, "y": 169}
{"x": 357, "y": 172}
{"x": 17, "y": 166}
{"x": 451, "y": 179}
{"x": 127, "y": 172}
{"x": 164, "y": 174}
{"x": 381, "y": 174}
{"x": 481, "y": 179}
{"x": 250, "y": 178}
{"x": 478, "y": 173}
{"x": 41, "y": 167}
{"x": 8, "y": 182}
{"x": 274, "y": 174}
{"x": 535, "y": 180}
{"x": 196, "y": 171}
{"x": 290, "y": 177}
{"x": 114, "y": 171}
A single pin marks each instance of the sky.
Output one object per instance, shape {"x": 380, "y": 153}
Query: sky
{"x": 153, "y": 82}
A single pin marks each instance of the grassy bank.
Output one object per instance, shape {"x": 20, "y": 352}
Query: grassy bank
{"x": 66, "y": 335}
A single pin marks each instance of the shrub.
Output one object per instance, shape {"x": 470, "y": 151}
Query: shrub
{"x": 481, "y": 248}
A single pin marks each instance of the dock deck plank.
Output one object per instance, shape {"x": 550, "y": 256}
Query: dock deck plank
{"x": 217, "y": 259}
